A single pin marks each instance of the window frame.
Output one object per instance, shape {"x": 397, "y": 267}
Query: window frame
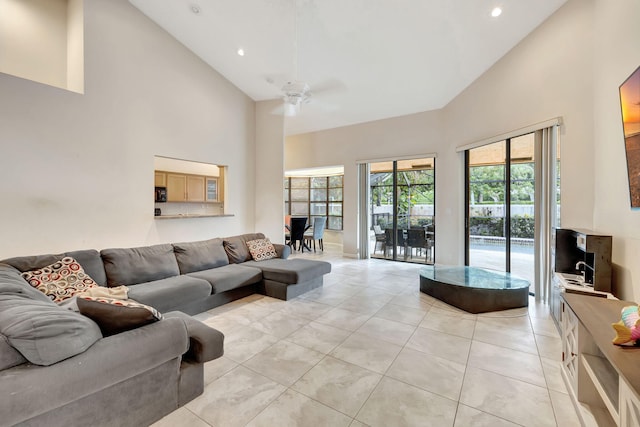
{"x": 327, "y": 202}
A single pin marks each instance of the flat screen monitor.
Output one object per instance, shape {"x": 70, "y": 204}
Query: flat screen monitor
{"x": 630, "y": 104}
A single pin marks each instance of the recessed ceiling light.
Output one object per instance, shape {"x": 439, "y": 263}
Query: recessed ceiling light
{"x": 241, "y": 52}
{"x": 496, "y": 12}
{"x": 195, "y": 9}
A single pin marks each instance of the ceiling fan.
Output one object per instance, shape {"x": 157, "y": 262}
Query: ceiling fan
{"x": 296, "y": 92}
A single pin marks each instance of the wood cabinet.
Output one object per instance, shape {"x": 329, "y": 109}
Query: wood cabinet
{"x": 176, "y": 188}
{"x": 195, "y": 188}
{"x": 603, "y": 379}
{"x": 160, "y": 179}
{"x": 211, "y": 190}
{"x": 189, "y": 188}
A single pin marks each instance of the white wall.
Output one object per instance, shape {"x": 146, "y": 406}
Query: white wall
{"x": 570, "y": 66}
{"x": 270, "y": 170}
{"x": 76, "y": 171}
{"x": 617, "y": 53}
{"x": 549, "y": 74}
{"x": 413, "y": 135}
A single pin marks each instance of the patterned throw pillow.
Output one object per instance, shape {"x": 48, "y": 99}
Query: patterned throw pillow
{"x": 261, "y": 249}
{"x": 60, "y": 280}
{"x": 116, "y": 315}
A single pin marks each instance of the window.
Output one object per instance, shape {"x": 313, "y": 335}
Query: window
{"x": 317, "y": 196}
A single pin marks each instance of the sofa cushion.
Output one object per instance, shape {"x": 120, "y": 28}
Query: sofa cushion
{"x": 117, "y": 315}
{"x": 89, "y": 259}
{"x": 261, "y": 249}
{"x": 167, "y": 294}
{"x": 32, "y": 262}
{"x": 12, "y": 283}
{"x": 291, "y": 271}
{"x": 14, "y": 288}
{"x": 229, "y": 277}
{"x": 61, "y": 280}
{"x": 236, "y": 247}
{"x": 197, "y": 256}
{"x": 9, "y": 356}
{"x": 139, "y": 265}
{"x": 43, "y": 332}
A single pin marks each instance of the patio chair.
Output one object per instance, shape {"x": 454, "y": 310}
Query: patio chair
{"x": 380, "y": 238}
{"x": 317, "y": 233}
{"x": 417, "y": 240}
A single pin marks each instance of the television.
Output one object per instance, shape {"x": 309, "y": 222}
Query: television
{"x": 630, "y": 105}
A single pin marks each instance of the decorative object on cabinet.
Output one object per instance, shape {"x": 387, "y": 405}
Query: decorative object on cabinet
{"x": 628, "y": 328}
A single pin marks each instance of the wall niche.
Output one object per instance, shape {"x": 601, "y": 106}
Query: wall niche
{"x": 43, "y": 41}
{"x": 184, "y": 188}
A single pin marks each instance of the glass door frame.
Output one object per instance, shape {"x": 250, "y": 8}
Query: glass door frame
{"x": 507, "y": 223}
{"x": 548, "y": 196}
{"x": 367, "y": 215}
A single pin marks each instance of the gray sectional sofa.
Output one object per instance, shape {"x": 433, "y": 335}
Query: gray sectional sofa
{"x": 136, "y": 377}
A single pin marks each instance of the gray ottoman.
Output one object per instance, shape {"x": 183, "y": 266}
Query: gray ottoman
{"x": 288, "y": 278}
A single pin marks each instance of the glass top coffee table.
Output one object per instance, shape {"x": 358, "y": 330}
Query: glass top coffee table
{"x": 474, "y": 289}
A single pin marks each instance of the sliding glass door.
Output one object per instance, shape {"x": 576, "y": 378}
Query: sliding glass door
{"x": 402, "y": 210}
{"x": 501, "y": 206}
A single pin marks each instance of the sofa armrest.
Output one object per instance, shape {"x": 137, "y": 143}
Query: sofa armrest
{"x": 30, "y": 390}
{"x": 205, "y": 343}
{"x": 283, "y": 251}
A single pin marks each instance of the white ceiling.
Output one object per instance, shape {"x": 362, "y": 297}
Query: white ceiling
{"x": 364, "y": 59}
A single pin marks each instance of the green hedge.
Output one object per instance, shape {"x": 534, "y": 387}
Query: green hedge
{"x": 521, "y": 227}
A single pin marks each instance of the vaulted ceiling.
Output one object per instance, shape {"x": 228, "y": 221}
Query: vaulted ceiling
{"x": 364, "y": 60}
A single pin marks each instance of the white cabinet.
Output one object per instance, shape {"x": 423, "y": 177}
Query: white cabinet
{"x": 602, "y": 378}
{"x": 570, "y": 330}
{"x": 629, "y": 406}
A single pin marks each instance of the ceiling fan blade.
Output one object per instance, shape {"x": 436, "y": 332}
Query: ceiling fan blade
{"x": 328, "y": 86}
{"x": 287, "y": 109}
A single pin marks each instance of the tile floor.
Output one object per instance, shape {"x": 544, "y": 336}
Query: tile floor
{"x": 368, "y": 349}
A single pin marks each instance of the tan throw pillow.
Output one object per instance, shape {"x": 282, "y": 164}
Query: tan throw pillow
{"x": 61, "y": 280}
{"x": 261, "y": 249}
{"x": 114, "y": 315}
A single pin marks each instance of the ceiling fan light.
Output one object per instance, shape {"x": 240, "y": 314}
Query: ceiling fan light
{"x": 290, "y": 109}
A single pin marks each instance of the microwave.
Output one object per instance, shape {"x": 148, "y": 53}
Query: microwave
{"x": 161, "y": 194}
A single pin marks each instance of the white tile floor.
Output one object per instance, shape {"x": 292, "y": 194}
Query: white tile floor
{"x": 368, "y": 349}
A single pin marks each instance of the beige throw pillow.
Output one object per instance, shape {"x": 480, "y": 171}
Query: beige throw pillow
{"x": 261, "y": 249}
{"x": 61, "y": 280}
